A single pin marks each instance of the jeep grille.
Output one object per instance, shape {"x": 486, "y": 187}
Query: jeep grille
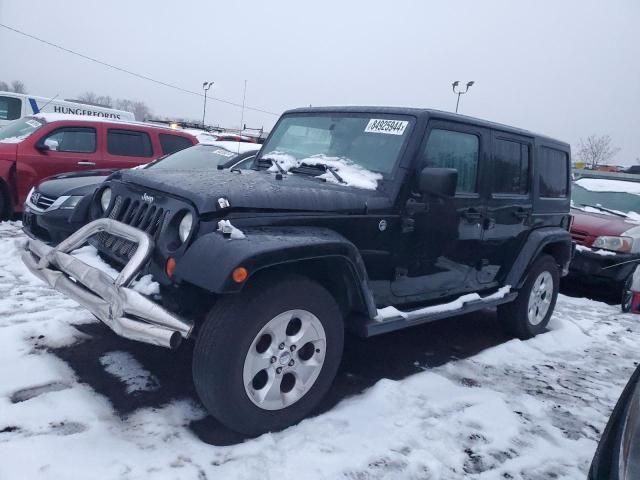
{"x": 138, "y": 214}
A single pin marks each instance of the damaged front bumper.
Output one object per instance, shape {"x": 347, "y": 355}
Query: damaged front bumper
{"x": 127, "y": 312}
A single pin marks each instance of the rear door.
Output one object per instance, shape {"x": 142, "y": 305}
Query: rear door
{"x": 508, "y": 190}
{"x": 128, "y": 147}
{"x": 69, "y": 148}
{"x": 172, "y": 143}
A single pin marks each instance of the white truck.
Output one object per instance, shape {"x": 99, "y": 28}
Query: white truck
{"x": 17, "y": 105}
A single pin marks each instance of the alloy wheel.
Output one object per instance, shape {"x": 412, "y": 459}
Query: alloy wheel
{"x": 284, "y": 360}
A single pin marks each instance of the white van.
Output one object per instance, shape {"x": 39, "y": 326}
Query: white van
{"x": 17, "y": 105}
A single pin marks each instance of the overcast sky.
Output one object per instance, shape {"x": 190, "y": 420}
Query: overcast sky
{"x": 567, "y": 69}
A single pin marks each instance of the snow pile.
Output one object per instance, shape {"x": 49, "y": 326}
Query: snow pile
{"x": 89, "y": 255}
{"x": 607, "y": 185}
{"x": 457, "y": 304}
{"x": 226, "y": 228}
{"x": 604, "y": 253}
{"x": 349, "y": 172}
{"x": 237, "y": 147}
{"x": 126, "y": 368}
{"x": 521, "y": 410}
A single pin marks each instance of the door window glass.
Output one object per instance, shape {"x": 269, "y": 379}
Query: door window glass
{"x": 554, "y": 173}
{"x": 10, "y": 108}
{"x": 449, "y": 149}
{"x": 129, "y": 143}
{"x": 173, "y": 143}
{"x": 510, "y": 168}
{"x": 73, "y": 140}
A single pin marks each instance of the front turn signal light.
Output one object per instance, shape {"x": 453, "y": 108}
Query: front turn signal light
{"x": 170, "y": 266}
{"x": 240, "y": 274}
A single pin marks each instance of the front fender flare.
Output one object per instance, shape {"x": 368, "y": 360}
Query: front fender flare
{"x": 210, "y": 261}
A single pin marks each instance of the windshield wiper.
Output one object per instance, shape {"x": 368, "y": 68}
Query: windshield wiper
{"x": 334, "y": 172}
{"x": 598, "y": 207}
{"x": 274, "y": 162}
{"x": 312, "y": 168}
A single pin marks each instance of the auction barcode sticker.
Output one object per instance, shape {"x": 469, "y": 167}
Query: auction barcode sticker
{"x": 390, "y": 127}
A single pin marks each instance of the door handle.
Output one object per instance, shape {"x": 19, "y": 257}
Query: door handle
{"x": 521, "y": 213}
{"x": 471, "y": 214}
{"x": 85, "y": 163}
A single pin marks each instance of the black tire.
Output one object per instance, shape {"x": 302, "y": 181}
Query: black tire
{"x": 626, "y": 300}
{"x": 227, "y": 335}
{"x": 514, "y": 316}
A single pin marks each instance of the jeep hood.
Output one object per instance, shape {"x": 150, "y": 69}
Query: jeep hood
{"x": 255, "y": 190}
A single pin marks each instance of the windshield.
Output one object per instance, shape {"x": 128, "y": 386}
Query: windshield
{"x": 352, "y": 145}
{"x": 595, "y": 198}
{"x": 195, "y": 158}
{"x": 18, "y": 130}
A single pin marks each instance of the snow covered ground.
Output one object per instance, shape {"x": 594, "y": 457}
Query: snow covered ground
{"x": 517, "y": 410}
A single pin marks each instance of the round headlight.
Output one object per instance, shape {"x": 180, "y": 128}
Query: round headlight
{"x": 105, "y": 199}
{"x": 185, "y": 227}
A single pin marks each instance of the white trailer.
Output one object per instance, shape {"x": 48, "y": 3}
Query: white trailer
{"x": 17, "y": 105}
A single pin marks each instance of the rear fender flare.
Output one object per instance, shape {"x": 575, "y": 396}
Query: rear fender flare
{"x": 554, "y": 240}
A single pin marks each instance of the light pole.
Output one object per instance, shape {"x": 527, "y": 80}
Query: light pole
{"x": 205, "y": 86}
{"x": 459, "y": 92}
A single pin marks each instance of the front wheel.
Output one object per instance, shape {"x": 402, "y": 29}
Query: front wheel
{"x": 529, "y": 314}
{"x": 627, "y": 294}
{"x": 265, "y": 358}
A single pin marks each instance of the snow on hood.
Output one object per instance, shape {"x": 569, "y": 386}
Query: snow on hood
{"x": 351, "y": 173}
{"x": 606, "y": 185}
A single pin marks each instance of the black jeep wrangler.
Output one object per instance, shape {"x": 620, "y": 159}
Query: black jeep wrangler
{"x": 371, "y": 219}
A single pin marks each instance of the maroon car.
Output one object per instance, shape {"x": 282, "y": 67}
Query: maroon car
{"x": 43, "y": 145}
{"x": 606, "y": 229}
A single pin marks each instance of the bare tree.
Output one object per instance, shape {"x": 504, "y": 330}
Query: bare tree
{"x": 4, "y": 86}
{"x": 141, "y": 111}
{"x": 123, "y": 104}
{"x": 596, "y": 150}
{"x": 88, "y": 97}
{"x": 18, "y": 86}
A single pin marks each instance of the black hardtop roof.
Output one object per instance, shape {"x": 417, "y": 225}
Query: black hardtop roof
{"x": 427, "y": 112}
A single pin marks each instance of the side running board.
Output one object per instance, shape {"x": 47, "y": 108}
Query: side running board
{"x": 389, "y": 319}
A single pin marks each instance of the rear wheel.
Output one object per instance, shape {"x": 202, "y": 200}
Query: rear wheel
{"x": 264, "y": 359}
{"x": 529, "y": 314}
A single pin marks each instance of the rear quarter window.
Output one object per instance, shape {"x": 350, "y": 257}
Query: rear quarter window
{"x": 172, "y": 143}
{"x": 129, "y": 143}
{"x": 554, "y": 173}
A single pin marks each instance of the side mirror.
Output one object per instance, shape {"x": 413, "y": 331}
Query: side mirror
{"x": 440, "y": 182}
{"x": 48, "y": 145}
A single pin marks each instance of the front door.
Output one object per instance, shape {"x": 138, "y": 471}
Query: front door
{"x": 68, "y": 149}
{"x": 441, "y": 251}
